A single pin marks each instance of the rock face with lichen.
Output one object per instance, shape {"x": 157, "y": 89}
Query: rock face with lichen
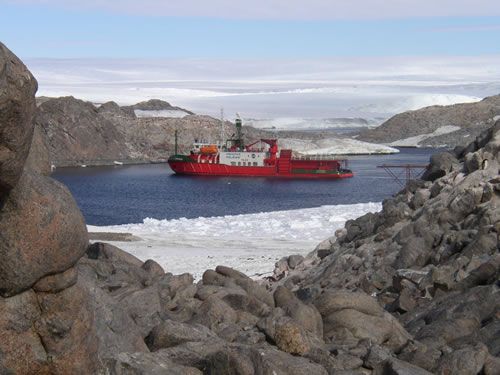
{"x": 412, "y": 289}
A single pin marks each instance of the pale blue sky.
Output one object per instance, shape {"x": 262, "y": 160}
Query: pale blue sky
{"x": 190, "y": 29}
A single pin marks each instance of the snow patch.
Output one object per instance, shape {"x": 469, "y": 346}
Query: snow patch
{"x": 414, "y": 102}
{"x": 416, "y": 140}
{"x": 251, "y": 243}
{"x": 296, "y": 123}
{"x": 335, "y": 146}
{"x": 177, "y": 113}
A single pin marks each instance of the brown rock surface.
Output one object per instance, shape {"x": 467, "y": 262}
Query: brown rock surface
{"x": 38, "y": 158}
{"x": 17, "y": 105}
{"x": 67, "y": 332}
{"x": 41, "y": 232}
{"x": 21, "y": 347}
{"x": 58, "y": 282}
{"x": 48, "y": 330}
{"x": 77, "y": 133}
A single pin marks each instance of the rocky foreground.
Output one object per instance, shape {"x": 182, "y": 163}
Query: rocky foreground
{"x": 410, "y": 290}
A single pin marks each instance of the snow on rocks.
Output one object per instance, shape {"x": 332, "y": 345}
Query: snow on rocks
{"x": 416, "y": 140}
{"x": 177, "y": 113}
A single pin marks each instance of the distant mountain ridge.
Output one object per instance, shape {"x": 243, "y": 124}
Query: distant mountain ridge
{"x": 469, "y": 120}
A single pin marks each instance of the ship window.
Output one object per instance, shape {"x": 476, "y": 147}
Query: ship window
{"x": 254, "y": 163}
{"x": 239, "y": 163}
{"x": 233, "y": 163}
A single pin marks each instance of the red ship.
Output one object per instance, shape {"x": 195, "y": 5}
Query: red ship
{"x": 259, "y": 159}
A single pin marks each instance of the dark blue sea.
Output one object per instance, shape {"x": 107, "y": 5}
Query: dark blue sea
{"x": 128, "y": 194}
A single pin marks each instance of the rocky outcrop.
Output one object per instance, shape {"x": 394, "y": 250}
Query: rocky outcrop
{"x": 46, "y": 323}
{"x": 419, "y": 280}
{"x": 77, "y": 133}
{"x": 470, "y": 119}
{"x": 17, "y": 106}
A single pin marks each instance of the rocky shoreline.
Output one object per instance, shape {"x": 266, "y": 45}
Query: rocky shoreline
{"x": 412, "y": 289}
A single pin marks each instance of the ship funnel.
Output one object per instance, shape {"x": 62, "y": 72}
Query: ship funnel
{"x": 239, "y": 133}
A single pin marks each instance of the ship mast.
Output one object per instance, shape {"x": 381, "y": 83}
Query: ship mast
{"x": 176, "y": 142}
{"x": 222, "y": 140}
{"x": 239, "y": 133}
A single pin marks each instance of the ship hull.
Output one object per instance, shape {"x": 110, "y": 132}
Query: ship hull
{"x": 213, "y": 169}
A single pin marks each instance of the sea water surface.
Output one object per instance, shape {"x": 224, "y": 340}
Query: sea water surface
{"x": 189, "y": 224}
{"x": 129, "y": 194}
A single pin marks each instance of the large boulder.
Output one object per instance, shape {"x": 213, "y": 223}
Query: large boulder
{"x": 226, "y": 276}
{"x": 146, "y": 364}
{"x": 116, "y": 330}
{"x": 171, "y": 333}
{"x": 440, "y": 164}
{"x": 17, "y": 106}
{"x": 307, "y": 316}
{"x": 42, "y": 232}
{"x": 265, "y": 360}
{"x": 361, "y": 316}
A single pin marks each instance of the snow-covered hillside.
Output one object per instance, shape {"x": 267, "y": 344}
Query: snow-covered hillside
{"x": 394, "y": 105}
{"x": 415, "y": 141}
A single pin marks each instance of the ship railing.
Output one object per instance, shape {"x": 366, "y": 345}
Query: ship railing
{"x": 319, "y": 157}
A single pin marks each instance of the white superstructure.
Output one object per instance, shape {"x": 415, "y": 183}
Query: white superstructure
{"x": 255, "y": 159}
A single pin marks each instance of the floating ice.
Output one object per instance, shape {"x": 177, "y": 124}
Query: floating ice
{"x": 251, "y": 243}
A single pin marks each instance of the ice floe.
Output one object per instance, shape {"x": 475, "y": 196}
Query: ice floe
{"x": 251, "y": 243}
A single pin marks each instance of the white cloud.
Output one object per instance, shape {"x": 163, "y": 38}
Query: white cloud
{"x": 287, "y": 9}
